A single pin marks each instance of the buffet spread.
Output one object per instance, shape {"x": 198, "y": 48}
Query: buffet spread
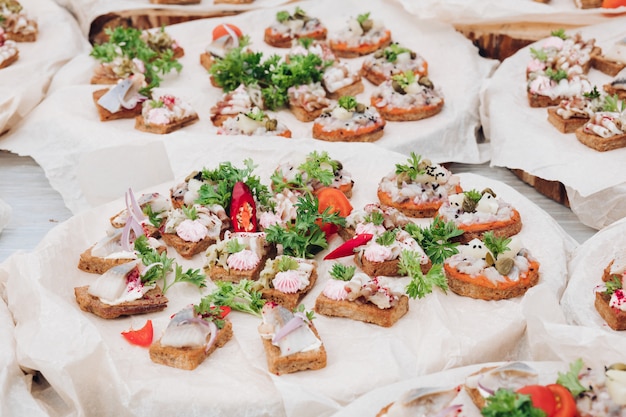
{"x": 271, "y": 263}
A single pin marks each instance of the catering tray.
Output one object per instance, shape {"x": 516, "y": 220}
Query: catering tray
{"x": 69, "y": 346}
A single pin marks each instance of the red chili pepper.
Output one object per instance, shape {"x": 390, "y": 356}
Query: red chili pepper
{"x": 243, "y": 209}
{"x": 224, "y": 310}
{"x": 347, "y": 248}
{"x": 141, "y": 337}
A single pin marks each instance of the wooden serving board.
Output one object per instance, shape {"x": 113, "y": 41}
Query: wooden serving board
{"x": 554, "y": 190}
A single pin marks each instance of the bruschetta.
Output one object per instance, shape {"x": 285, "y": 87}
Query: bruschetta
{"x": 165, "y": 115}
{"x": 253, "y": 123}
{"x": 349, "y": 121}
{"x": 289, "y": 27}
{"x": 390, "y": 61}
{"x": 361, "y": 36}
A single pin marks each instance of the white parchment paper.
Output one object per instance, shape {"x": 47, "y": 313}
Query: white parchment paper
{"x": 66, "y": 126}
{"x": 522, "y": 138}
{"x": 440, "y": 331}
{"x": 24, "y": 83}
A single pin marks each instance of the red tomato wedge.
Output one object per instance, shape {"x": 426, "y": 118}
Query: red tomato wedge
{"x": 141, "y": 337}
{"x": 565, "y": 402}
{"x": 541, "y": 397}
{"x": 336, "y": 200}
{"x": 613, "y": 4}
{"x": 225, "y": 29}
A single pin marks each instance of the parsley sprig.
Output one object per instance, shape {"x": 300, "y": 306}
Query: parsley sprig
{"x": 392, "y": 51}
{"x": 386, "y": 238}
{"x": 342, "y": 272}
{"x": 210, "y": 312}
{"x": 613, "y": 104}
{"x": 437, "y": 239}
{"x": 539, "y": 54}
{"x": 495, "y": 244}
{"x": 413, "y": 168}
{"x": 570, "y": 378}
{"x": 420, "y": 284}
{"x": 557, "y": 75}
{"x": 314, "y": 168}
{"x": 506, "y": 403}
{"x": 192, "y": 276}
{"x": 613, "y": 284}
{"x": 593, "y": 94}
{"x": 238, "y": 296}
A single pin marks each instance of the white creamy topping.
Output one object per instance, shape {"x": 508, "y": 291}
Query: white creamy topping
{"x": 416, "y": 96}
{"x": 606, "y": 124}
{"x": 335, "y": 289}
{"x": 244, "y": 125}
{"x": 308, "y": 96}
{"x": 354, "y": 36}
{"x": 403, "y": 63}
{"x": 166, "y": 110}
{"x": 119, "y": 284}
{"x": 206, "y": 216}
{"x": 338, "y": 76}
{"x": 617, "y": 52}
{"x": 338, "y": 119}
{"x": 7, "y": 50}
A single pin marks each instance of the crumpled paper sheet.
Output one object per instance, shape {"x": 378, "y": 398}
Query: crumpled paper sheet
{"x": 24, "y": 83}
{"x": 58, "y": 147}
{"x": 375, "y": 400}
{"x": 5, "y": 214}
{"x": 439, "y": 332}
{"x": 15, "y": 386}
{"x": 509, "y": 11}
{"x": 522, "y": 138}
{"x": 87, "y": 11}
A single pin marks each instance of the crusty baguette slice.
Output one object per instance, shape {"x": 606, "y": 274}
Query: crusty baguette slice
{"x": 369, "y": 134}
{"x": 565, "y": 125}
{"x": 407, "y": 114}
{"x": 358, "y": 310}
{"x": 96, "y": 265}
{"x": 10, "y": 60}
{"x": 186, "y": 249}
{"x": 607, "y": 66}
{"x": 289, "y": 301}
{"x": 599, "y": 143}
{"x": 301, "y": 361}
{"x": 106, "y": 115}
{"x": 164, "y": 129}
{"x": 615, "y": 318}
{"x": 409, "y": 208}
{"x": 152, "y": 301}
{"x": 189, "y": 357}
{"x": 353, "y": 89}
{"x": 206, "y": 60}
{"x": 503, "y": 229}
{"x": 465, "y": 285}
{"x": 386, "y": 268}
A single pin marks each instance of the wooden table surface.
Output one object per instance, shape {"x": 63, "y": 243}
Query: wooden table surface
{"x": 37, "y": 208}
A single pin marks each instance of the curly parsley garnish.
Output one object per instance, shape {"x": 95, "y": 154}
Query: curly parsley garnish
{"x": 420, "y": 284}
{"x": 287, "y": 263}
{"x": 539, "y": 54}
{"x": 413, "y": 168}
{"x": 310, "y": 314}
{"x": 210, "y": 312}
{"x": 342, "y": 272}
{"x": 155, "y": 219}
{"x": 233, "y": 246}
{"x": 375, "y": 217}
{"x": 570, "y": 379}
{"x": 315, "y": 167}
{"x": 593, "y": 94}
{"x": 613, "y": 104}
{"x": 557, "y": 76}
{"x": 240, "y": 297}
{"x": 612, "y": 285}
{"x": 437, "y": 239}
{"x": 190, "y": 212}
{"x": 496, "y": 245}
{"x": 347, "y": 102}
{"x": 392, "y": 51}
{"x": 559, "y": 33}
{"x": 506, "y": 403}
{"x": 386, "y": 238}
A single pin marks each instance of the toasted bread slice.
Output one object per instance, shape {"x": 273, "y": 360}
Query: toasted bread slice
{"x": 21, "y": 36}
{"x": 358, "y": 310}
{"x": 409, "y": 208}
{"x": 106, "y": 115}
{"x": 537, "y": 100}
{"x": 599, "y": 143}
{"x": 11, "y": 59}
{"x": 152, "y": 301}
{"x": 285, "y": 40}
{"x": 405, "y": 114}
{"x": 303, "y": 115}
{"x": 505, "y": 228}
{"x": 588, "y": 4}
{"x": 471, "y": 286}
{"x": 140, "y": 124}
{"x": 187, "y": 249}
{"x": 343, "y": 50}
{"x": 189, "y": 357}
{"x": 619, "y": 92}
{"x": 565, "y": 125}
{"x": 219, "y": 273}
{"x": 175, "y": 1}
{"x": 606, "y": 66}
{"x": 232, "y": 1}
{"x": 370, "y": 133}
{"x": 386, "y": 268}
{"x": 349, "y": 90}
{"x": 614, "y": 317}
{"x": 301, "y": 361}
{"x": 289, "y": 301}
{"x": 97, "y": 265}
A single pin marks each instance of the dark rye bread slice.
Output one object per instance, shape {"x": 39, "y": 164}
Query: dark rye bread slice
{"x": 599, "y": 143}
{"x": 189, "y": 357}
{"x": 386, "y": 268}
{"x": 96, "y": 265}
{"x": 565, "y": 125}
{"x": 289, "y": 301}
{"x": 505, "y": 229}
{"x": 10, "y": 60}
{"x": 362, "y": 311}
{"x": 106, "y": 115}
{"x": 300, "y": 361}
{"x": 539, "y": 100}
{"x": 615, "y": 318}
{"x": 152, "y": 301}
{"x": 187, "y": 249}
{"x": 219, "y": 273}
{"x": 140, "y": 124}
{"x": 607, "y": 66}
{"x": 469, "y": 288}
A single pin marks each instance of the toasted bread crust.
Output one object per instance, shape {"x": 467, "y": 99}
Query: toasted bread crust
{"x": 467, "y": 288}
{"x": 588, "y": 4}
{"x": 599, "y": 143}
{"x": 342, "y": 135}
{"x": 621, "y": 94}
{"x": 189, "y": 357}
{"x": 106, "y": 115}
{"x": 304, "y": 115}
{"x": 96, "y": 265}
{"x": 614, "y": 317}
{"x": 387, "y": 268}
{"x": 289, "y": 301}
{"x": 408, "y": 207}
{"x": 565, "y": 125}
{"x": 283, "y": 40}
{"x": 219, "y": 273}
{"x": 22, "y": 37}
{"x": 507, "y": 229}
{"x": 152, "y": 301}
{"x": 537, "y": 100}
{"x": 358, "y": 310}
{"x": 232, "y": 1}
{"x": 373, "y": 76}
{"x": 341, "y": 50}
{"x": 349, "y": 90}
{"x": 186, "y": 249}
{"x": 140, "y": 124}
{"x": 301, "y": 361}
{"x": 607, "y": 66}
{"x": 406, "y": 114}
{"x": 206, "y": 60}
{"x": 10, "y": 60}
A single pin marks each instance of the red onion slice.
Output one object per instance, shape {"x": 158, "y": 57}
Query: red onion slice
{"x": 484, "y": 388}
{"x": 133, "y": 208}
{"x": 289, "y": 327}
{"x": 125, "y": 238}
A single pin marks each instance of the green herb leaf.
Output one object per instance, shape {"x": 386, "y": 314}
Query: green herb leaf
{"x": 233, "y": 246}
{"x": 210, "y": 312}
{"x": 474, "y": 195}
{"x": 342, "y": 272}
{"x": 496, "y": 245}
{"x": 392, "y": 51}
{"x": 413, "y": 168}
{"x": 190, "y": 212}
{"x": 282, "y": 16}
{"x": 192, "y": 276}
{"x": 593, "y": 94}
{"x": 559, "y": 33}
{"x": 570, "y": 379}
{"x": 420, "y": 284}
{"x": 375, "y": 217}
{"x": 506, "y": 403}
{"x": 386, "y": 238}
{"x": 160, "y": 264}
{"x": 558, "y": 75}
{"x": 287, "y": 263}
{"x": 347, "y": 102}
{"x": 362, "y": 18}
{"x": 436, "y": 240}
{"x": 239, "y": 296}
{"x": 539, "y": 54}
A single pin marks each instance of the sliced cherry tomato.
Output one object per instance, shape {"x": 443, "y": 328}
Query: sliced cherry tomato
{"x": 613, "y": 4}
{"x": 565, "y": 402}
{"x": 541, "y": 397}
{"x": 225, "y": 29}
{"x": 347, "y": 248}
{"x": 243, "y": 209}
{"x": 141, "y": 337}
{"x": 336, "y": 200}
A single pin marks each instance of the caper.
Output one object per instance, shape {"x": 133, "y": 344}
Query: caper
{"x": 425, "y": 81}
{"x": 270, "y": 124}
{"x": 402, "y": 177}
{"x": 469, "y": 205}
{"x": 489, "y": 259}
{"x": 504, "y": 265}
{"x": 299, "y": 14}
{"x": 397, "y": 87}
{"x": 488, "y": 191}
{"x": 195, "y": 175}
{"x": 338, "y": 164}
{"x": 367, "y": 25}
{"x": 360, "y": 108}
